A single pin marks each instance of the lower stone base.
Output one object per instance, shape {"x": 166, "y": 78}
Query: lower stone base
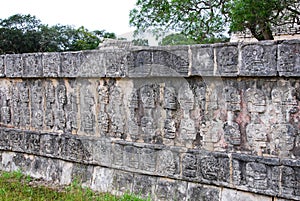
{"x": 117, "y": 181}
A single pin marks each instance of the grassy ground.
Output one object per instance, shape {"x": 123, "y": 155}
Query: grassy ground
{"x": 19, "y": 187}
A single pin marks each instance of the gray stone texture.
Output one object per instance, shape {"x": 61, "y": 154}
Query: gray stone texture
{"x": 197, "y": 122}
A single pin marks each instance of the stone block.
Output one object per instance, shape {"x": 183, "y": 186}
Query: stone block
{"x": 82, "y": 173}
{"x": 32, "y": 65}
{"x": 144, "y": 186}
{"x": 288, "y": 64}
{"x": 102, "y": 179}
{"x": 234, "y": 195}
{"x": 2, "y": 65}
{"x": 48, "y": 145}
{"x": 167, "y": 189}
{"x": 4, "y": 139}
{"x": 70, "y": 64}
{"x": 197, "y": 192}
{"x": 93, "y": 64}
{"x": 102, "y": 152}
{"x": 190, "y": 166}
{"x": 169, "y": 163}
{"x": 118, "y": 155}
{"x": 227, "y": 59}
{"x": 259, "y": 59}
{"x": 148, "y": 159}
{"x": 16, "y": 138}
{"x": 214, "y": 168}
{"x": 116, "y": 63}
{"x": 158, "y": 62}
{"x": 131, "y": 156}
{"x": 122, "y": 182}
{"x": 75, "y": 149}
{"x": 202, "y": 60}
{"x": 14, "y": 65}
{"x": 32, "y": 142}
{"x": 51, "y": 64}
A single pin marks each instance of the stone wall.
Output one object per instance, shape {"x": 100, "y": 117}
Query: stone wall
{"x": 201, "y": 122}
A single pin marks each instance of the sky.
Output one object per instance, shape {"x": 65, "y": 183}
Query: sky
{"x": 110, "y": 15}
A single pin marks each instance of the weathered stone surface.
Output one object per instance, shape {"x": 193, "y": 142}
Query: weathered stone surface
{"x": 158, "y": 62}
{"x": 14, "y": 65}
{"x": 202, "y": 60}
{"x": 51, "y": 64}
{"x": 259, "y": 59}
{"x": 288, "y": 58}
{"x": 32, "y": 65}
{"x": 201, "y": 192}
{"x": 172, "y": 121}
{"x": 233, "y": 195}
{"x": 227, "y": 59}
{"x": 2, "y": 66}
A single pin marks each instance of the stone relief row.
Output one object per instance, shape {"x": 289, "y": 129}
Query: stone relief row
{"x": 253, "y": 116}
{"x": 267, "y": 176}
{"x": 232, "y": 59}
{"x": 119, "y": 182}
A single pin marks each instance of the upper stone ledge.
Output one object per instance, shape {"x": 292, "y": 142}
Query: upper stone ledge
{"x": 122, "y": 59}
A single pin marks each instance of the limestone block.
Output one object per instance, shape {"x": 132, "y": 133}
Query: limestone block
{"x": 14, "y": 65}
{"x": 16, "y": 138}
{"x": 70, "y": 64}
{"x": 259, "y": 59}
{"x": 122, "y": 182}
{"x": 116, "y": 63}
{"x": 118, "y": 154}
{"x": 102, "y": 179}
{"x": 158, "y": 62}
{"x": 2, "y": 65}
{"x": 32, "y": 65}
{"x": 227, "y": 58}
{"x": 197, "y": 192}
{"x": 102, "y": 152}
{"x": 93, "y": 64}
{"x": 51, "y": 64}
{"x": 288, "y": 58}
{"x": 167, "y": 189}
{"x": 82, "y": 173}
{"x": 234, "y": 195}
{"x": 148, "y": 159}
{"x": 144, "y": 186}
{"x": 32, "y": 142}
{"x": 4, "y": 139}
{"x": 169, "y": 164}
{"x": 202, "y": 60}
{"x": 131, "y": 156}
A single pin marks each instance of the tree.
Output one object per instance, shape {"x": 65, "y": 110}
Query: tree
{"x": 177, "y": 39}
{"x": 20, "y": 33}
{"x": 261, "y": 16}
{"x": 25, "y": 33}
{"x": 210, "y": 19}
{"x": 197, "y": 19}
{"x": 140, "y": 42}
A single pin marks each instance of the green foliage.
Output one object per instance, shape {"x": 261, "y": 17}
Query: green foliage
{"x": 25, "y": 33}
{"x": 196, "y": 19}
{"x": 208, "y": 20}
{"x": 177, "y": 39}
{"x": 14, "y": 186}
{"x": 140, "y": 42}
{"x": 260, "y": 16}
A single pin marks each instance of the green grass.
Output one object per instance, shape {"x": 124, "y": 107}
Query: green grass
{"x": 17, "y": 186}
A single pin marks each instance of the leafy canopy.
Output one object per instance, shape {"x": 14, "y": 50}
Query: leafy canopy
{"x": 211, "y": 19}
{"x": 25, "y": 33}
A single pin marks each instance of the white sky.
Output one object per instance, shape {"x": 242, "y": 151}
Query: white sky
{"x": 110, "y": 15}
